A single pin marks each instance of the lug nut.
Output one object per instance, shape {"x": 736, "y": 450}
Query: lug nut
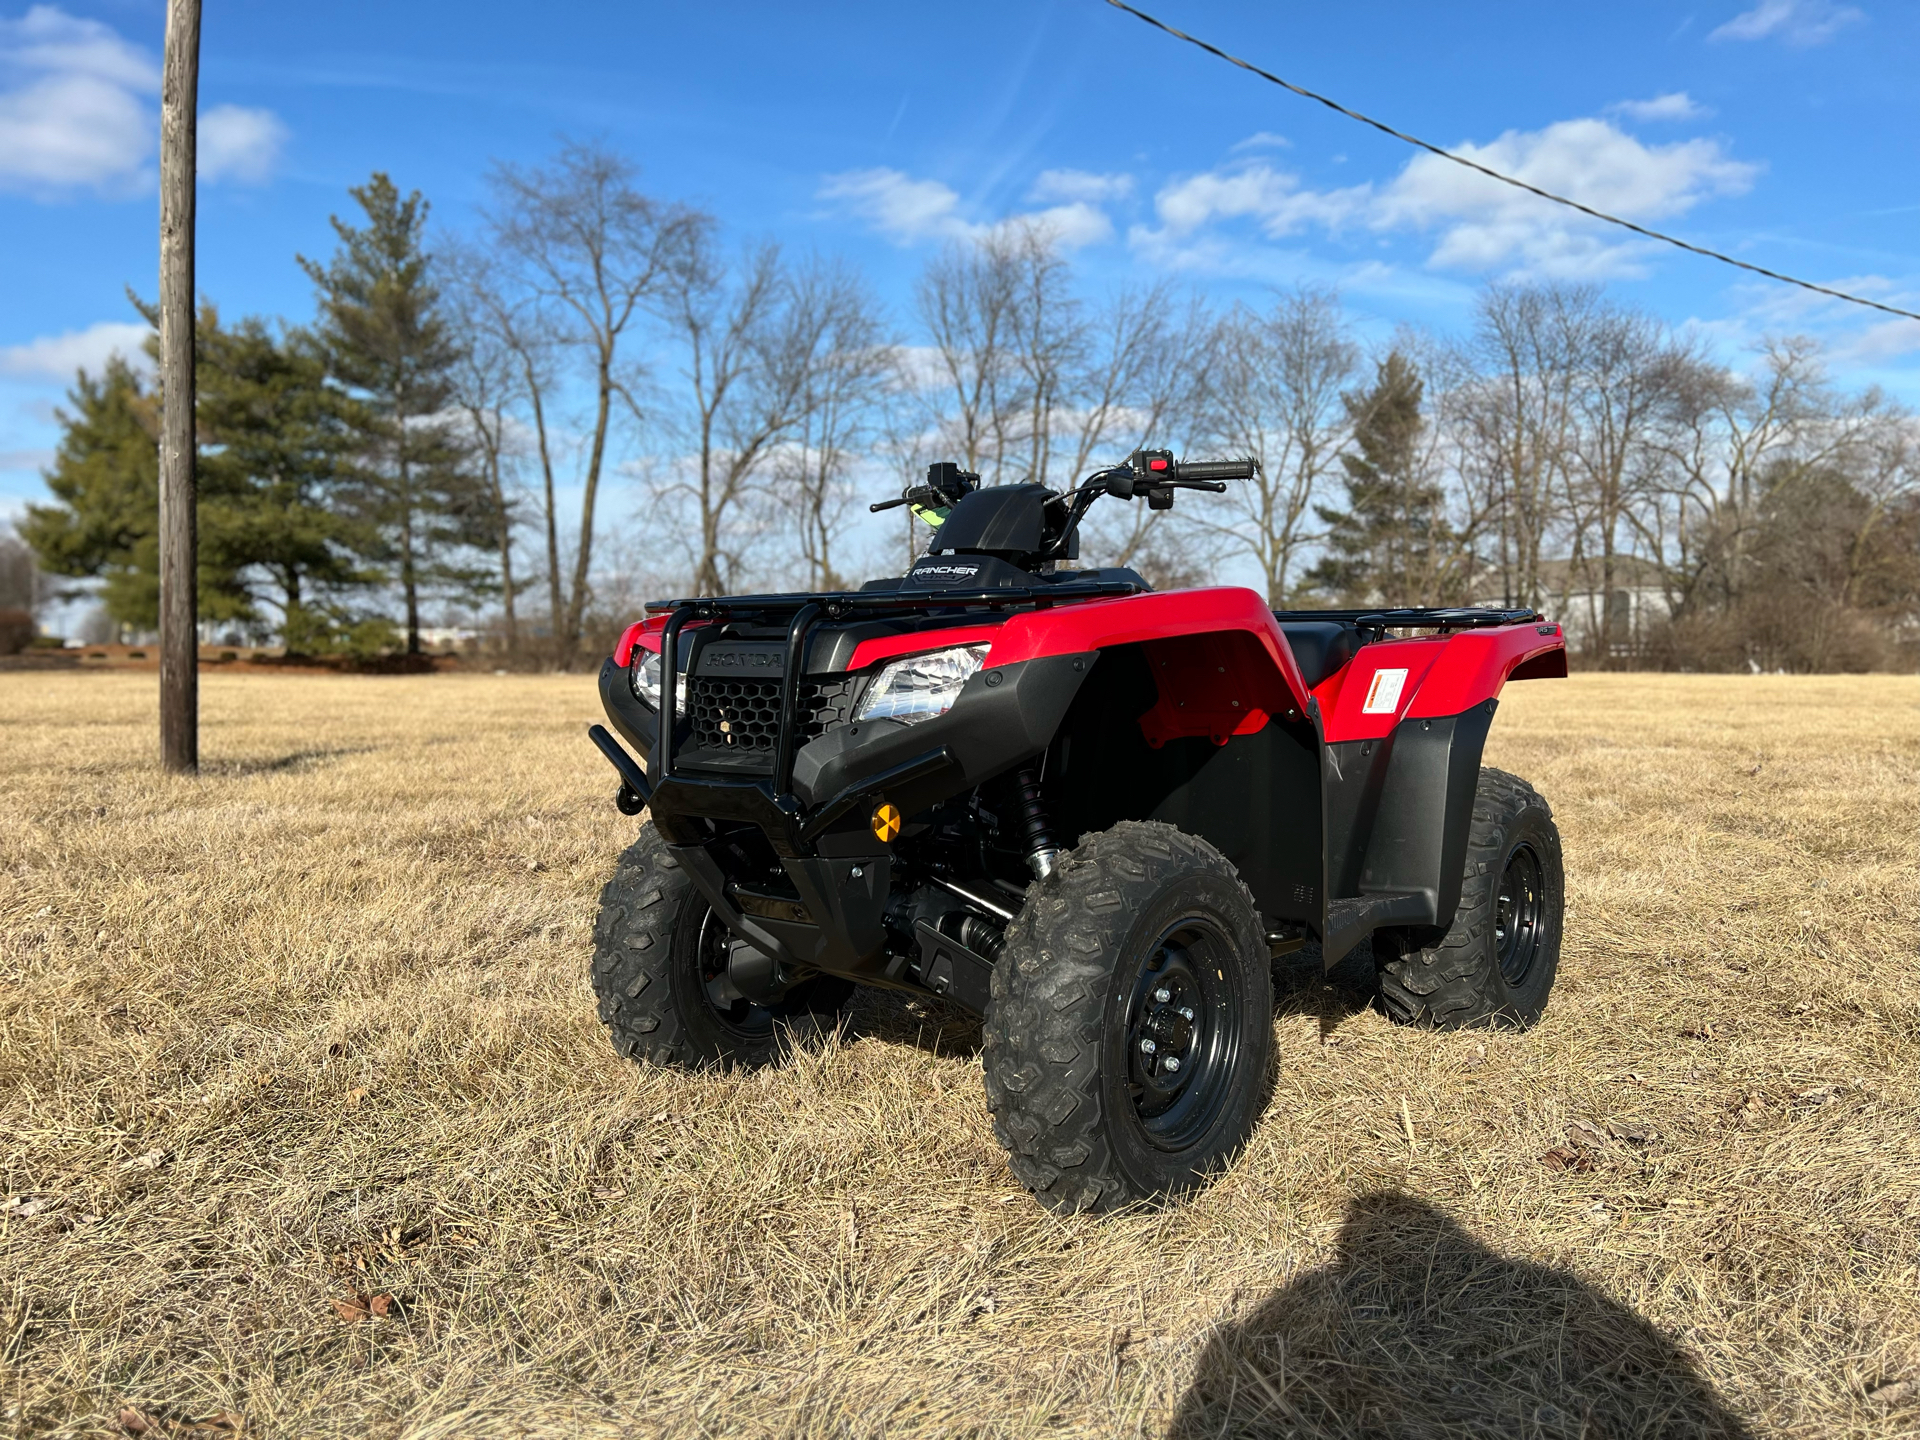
{"x": 1172, "y": 1062}
{"x": 1162, "y": 995}
{"x": 1186, "y": 1012}
{"x": 1147, "y": 1047}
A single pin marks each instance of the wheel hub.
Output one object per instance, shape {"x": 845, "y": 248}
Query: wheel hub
{"x": 1181, "y": 1036}
{"x": 1517, "y": 913}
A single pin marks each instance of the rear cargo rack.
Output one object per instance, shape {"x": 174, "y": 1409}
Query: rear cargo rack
{"x": 1418, "y": 617}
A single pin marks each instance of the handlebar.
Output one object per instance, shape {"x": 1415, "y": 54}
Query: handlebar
{"x": 1215, "y": 470}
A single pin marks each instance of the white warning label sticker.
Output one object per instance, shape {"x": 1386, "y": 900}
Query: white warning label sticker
{"x": 1383, "y": 695}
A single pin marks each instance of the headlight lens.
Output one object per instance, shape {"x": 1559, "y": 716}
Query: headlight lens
{"x": 921, "y": 686}
{"x": 643, "y": 672}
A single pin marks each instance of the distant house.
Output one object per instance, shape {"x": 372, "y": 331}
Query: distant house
{"x": 1574, "y": 597}
{"x": 447, "y": 637}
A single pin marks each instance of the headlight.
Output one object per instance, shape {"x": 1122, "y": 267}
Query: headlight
{"x": 921, "y": 686}
{"x": 644, "y": 674}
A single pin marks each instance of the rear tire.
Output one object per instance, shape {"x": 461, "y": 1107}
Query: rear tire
{"x": 656, "y": 947}
{"x": 1496, "y": 963}
{"x": 1129, "y": 1039}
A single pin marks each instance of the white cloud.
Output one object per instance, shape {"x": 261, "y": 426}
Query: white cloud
{"x": 1262, "y": 140}
{"x": 56, "y": 357}
{"x": 898, "y": 206}
{"x": 74, "y": 112}
{"x": 1080, "y": 186}
{"x": 1485, "y": 224}
{"x": 907, "y": 211}
{"x": 1798, "y": 22}
{"x": 1273, "y": 197}
{"x": 239, "y": 144}
{"x": 1677, "y": 106}
{"x": 1479, "y": 223}
{"x": 77, "y": 112}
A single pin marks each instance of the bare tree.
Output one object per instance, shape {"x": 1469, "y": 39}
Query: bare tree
{"x": 1146, "y": 364}
{"x": 848, "y": 365}
{"x": 488, "y": 381}
{"x": 754, "y": 342}
{"x": 588, "y": 253}
{"x": 1275, "y": 394}
{"x": 1006, "y": 337}
{"x": 1626, "y": 369}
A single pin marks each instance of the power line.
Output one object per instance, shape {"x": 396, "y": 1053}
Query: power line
{"x": 1432, "y": 149}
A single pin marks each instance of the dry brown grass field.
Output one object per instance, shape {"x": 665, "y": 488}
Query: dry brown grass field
{"x": 309, "y": 1038}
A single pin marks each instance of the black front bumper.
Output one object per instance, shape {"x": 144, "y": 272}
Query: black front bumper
{"x": 818, "y": 823}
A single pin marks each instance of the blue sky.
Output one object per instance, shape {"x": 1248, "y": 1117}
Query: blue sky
{"x": 1780, "y": 130}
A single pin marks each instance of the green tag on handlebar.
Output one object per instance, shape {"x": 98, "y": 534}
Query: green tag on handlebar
{"x": 934, "y": 518}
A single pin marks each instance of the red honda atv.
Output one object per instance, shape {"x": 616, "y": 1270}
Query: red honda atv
{"x": 1090, "y": 813}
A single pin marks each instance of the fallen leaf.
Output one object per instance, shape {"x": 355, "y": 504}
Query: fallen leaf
{"x": 24, "y": 1207}
{"x": 1893, "y": 1392}
{"x": 380, "y": 1306}
{"x": 1567, "y": 1157}
{"x": 355, "y": 1096}
{"x": 1585, "y": 1132}
{"x": 1702, "y": 1031}
{"x": 133, "y": 1422}
{"x": 351, "y": 1308}
{"x": 148, "y": 1161}
{"x": 1634, "y": 1132}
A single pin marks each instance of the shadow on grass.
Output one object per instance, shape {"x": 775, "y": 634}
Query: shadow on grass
{"x": 1299, "y": 988}
{"x": 280, "y": 764}
{"x": 926, "y": 1024}
{"x": 1302, "y": 987}
{"x": 1416, "y": 1329}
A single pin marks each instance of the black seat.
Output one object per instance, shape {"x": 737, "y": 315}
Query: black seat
{"x": 1320, "y": 647}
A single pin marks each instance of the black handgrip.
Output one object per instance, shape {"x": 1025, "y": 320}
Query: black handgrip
{"x": 1216, "y": 469}
{"x": 886, "y": 505}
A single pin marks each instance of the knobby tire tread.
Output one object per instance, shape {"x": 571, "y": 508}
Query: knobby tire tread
{"x": 1456, "y": 984}
{"x": 1046, "y": 1026}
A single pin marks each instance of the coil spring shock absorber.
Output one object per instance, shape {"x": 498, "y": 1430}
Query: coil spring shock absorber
{"x": 1042, "y": 853}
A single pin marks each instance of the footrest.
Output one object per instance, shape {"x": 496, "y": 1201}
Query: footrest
{"x": 1351, "y": 920}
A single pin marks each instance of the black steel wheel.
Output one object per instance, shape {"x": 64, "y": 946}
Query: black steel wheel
{"x": 1183, "y": 1041}
{"x": 660, "y": 972}
{"x": 1496, "y": 962}
{"x": 1129, "y": 1039}
{"x": 1519, "y": 901}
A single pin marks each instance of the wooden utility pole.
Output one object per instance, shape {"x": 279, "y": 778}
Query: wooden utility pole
{"x": 179, "y": 540}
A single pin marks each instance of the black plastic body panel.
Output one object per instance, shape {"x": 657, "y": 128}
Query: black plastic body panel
{"x": 1256, "y": 799}
{"x": 1419, "y": 840}
{"x": 1003, "y": 715}
{"x": 1010, "y": 519}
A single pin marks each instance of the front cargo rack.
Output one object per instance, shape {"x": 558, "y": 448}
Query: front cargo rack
{"x": 802, "y": 612}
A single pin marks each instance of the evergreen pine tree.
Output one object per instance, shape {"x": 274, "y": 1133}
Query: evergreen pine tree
{"x": 386, "y": 341}
{"x": 105, "y": 526}
{"x": 278, "y": 442}
{"x": 1385, "y": 547}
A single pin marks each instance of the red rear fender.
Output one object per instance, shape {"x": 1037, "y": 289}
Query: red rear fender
{"x": 1431, "y": 676}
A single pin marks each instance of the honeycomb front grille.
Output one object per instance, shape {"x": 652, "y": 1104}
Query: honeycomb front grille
{"x": 742, "y": 717}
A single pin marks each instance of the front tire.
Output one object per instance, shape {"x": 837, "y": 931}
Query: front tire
{"x": 1496, "y": 963}
{"x": 659, "y": 961}
{"x": 1129, "y": 1039}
